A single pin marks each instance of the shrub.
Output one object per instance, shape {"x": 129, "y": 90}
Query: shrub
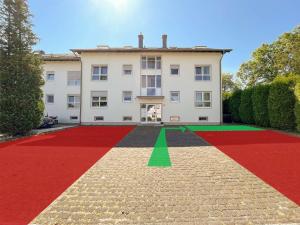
{"x": 234, "y": 105}
{"x": 245, "y": 109}
{"x": 297, "y": 105}
{"x": 260, "y": 105}
{"x": 281, "y": 103}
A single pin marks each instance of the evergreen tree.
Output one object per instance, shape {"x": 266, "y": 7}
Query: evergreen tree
{"x": 21, "y": 106}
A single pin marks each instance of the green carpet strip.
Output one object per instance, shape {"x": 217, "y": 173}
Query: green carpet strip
{"x": 222, "y": 128}
{"x": 160, "y": 154}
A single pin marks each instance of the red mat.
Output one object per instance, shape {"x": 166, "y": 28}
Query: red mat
{"x": 274, "y": 157}
{"x": 36, "y": 170}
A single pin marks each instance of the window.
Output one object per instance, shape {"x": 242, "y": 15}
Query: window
{"x": 174, "y": 118}
{"x": 127, "y": 96}
{"x": 98, "y": 118}
{"x": 203, "y": 99}
{"x": 151, "y": 85}
{"x": 50, "y": 76}
{"x": 73, "y": 117}
{"x": 99, "y": 72}
{"x": 151, "y": 62}
{"x": 202, "y": 73}
{"x": 73, "y": 78}
{"x": 203, "y": 118}
{"x": 99, "y": 99}
{"x": 50, "y": 99}
{"x": 127, "y": 118}
{"x": 73, "y": 101}
{"x": 174, "y": 96}
{"x": 174, "y": 70}
{"x": 127, "y": 69}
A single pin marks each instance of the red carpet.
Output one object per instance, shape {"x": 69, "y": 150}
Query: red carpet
{"x": 36, "y": 170}
{"x": 274, "y": 157}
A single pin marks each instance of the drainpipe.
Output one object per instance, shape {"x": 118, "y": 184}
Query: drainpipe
{"x": 221, "y": 99}
{"x": 80, "y": 109}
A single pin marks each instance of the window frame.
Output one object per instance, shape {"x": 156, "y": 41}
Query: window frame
{"x": 157, "y": 62}
{"x": 99, "y": 100}
{"x": 75, "y": 102}
{"x": 50, "y": 103}
{"x": 203, "y": 101}
{"x": 77, "y": 117}
{"x": 177, "y": 101}
{"x": 99, "y": 75}
{"x": 123, "y": 69}
{"x": 123, "y": 95}
{"x": 99, "y": 117}
{"x": 75, "y": 82}
{"x": 123, "y": 118}
{"x": 175, "y": 65}
{"x": 50, "y": 73}
{"x": 202, "y": 74}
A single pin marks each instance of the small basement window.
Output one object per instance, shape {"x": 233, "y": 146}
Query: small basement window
{"x": 203, "y": 118}
{"x": 174, "y": 118}
{"x": 73, "y": 117}
{"x": 98, "y": 118}
{"x": 127, "y": 118}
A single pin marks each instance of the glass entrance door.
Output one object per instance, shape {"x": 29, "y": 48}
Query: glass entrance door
{"x": 151, "y": 113}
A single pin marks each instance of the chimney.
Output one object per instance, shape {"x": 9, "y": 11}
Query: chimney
{"x": 164, "y": 40}
{"x": 141, "y": 40}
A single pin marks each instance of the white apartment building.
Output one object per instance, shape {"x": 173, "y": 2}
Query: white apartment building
{"x": 135, "y": 85}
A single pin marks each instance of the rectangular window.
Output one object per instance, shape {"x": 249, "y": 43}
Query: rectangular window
{"x": 202, "y": 73}
{"x": 50, "y": 76}
{"x": 203, "y": 99}
{"x": 73, "y": 117}
{"x": 203, "y": 118}
{"x": 127, "y": 96}
{"x": 127, "y": 69}
{"x": 50, "y": 99}
{"x": 174, "y": 96}
{"x": 151, "y": 62}
{"x": 174, "y": 118}
{"x": 73, "y": 78}
{"x": 151, "y": 85}
{"x": 73, "y": 101}
{"x": 174, "y": 70}
{"x": 99, "y": 99}
{"x": 127, "y": 118}
{"x": 99, "y": 72}
{"x": 98, "y": 118}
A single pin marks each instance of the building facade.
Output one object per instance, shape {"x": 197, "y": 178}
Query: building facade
{"x": 135, "y": 85}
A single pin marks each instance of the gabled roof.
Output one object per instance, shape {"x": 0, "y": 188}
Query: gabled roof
{"x": 173, "y": 49}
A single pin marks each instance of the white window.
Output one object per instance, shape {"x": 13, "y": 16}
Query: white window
{"x": 99, "y": 72}
{"x": 73, "y": 101}
{"x": 73, "y": 78}
{"x": 50, "y": 99}
{"x": 50, "y": 76}
{"x": 203, "y": 99}
{"x": 98, "y": 118}
{"x": 127, "y": 69}
{"x": 174, "y": 96}
{"x": 151, "y": 85}
{"x": 151, "y": 62}
{"x": 127, "y": 118}
{"x": 202, "y": 73}
{"x": 99, "y": 99}
{"x": 127, "y": 96}
{"x": 174, "y": 118}
{"x": 174, "y": 70}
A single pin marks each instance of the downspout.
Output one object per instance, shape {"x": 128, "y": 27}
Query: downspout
{"x": 221, "y": 97}
{"x": 80, "y": 109}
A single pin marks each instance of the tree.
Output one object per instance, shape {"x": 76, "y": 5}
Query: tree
{"x": 228, "y": 83}
{"x": 234, "y": 105}
{"x": 281, "y": 57}
{"x": 20, "y": 70}
{"x": 246, "y": 109}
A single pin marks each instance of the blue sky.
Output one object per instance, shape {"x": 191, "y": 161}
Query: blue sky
{"x": 238, "y": 24}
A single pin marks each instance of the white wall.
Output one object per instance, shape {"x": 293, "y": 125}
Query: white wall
{"x": 185, "y": 83}
{"x": 60, "y": 89}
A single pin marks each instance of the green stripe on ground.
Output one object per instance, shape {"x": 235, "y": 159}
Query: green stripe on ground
{"x": 160, "y": 155}
{"x": 222, "y": 128}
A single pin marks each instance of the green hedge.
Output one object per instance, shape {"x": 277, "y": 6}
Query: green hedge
{"x": 234, "y": 105}
{"x": 281, "y": 104}
{"x": 245, "y": 109}
{"x": 297, "y": 105}
{"x": 260, "y": 105}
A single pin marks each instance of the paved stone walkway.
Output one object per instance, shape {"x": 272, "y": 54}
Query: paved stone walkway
{"x": 203, "y": 186}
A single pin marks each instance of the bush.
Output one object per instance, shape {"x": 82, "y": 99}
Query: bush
{"x": 260, "y": 105}
{"x": 297, "y": 106}
{"x": 226, "y": 97}
{"x": 281, "y": 103}
{"x": 245, "y": 109}
{"x": 234, "y": 105}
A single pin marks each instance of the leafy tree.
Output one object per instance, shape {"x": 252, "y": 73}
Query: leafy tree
{"x": 297, "y": 105}
{"x": 245, "y": 109}
{"x": 20, "y": 70}
{"x": 281, "y": 57}
{"x": 228, "y": 83}
{"x": 260, "y": 97}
